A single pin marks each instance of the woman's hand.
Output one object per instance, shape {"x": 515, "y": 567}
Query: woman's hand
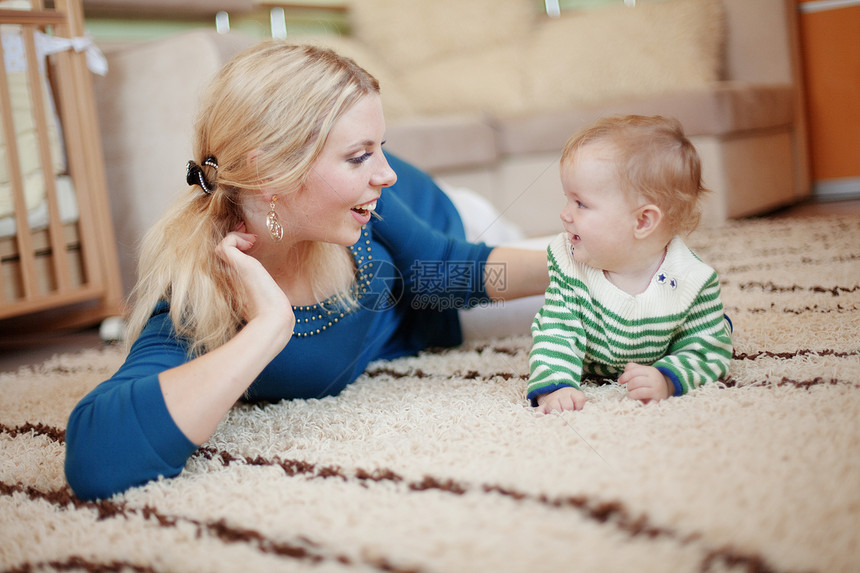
{"x": 264, "y": 298}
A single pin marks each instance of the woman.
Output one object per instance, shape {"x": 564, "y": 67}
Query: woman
{"x": 293, "y": 261}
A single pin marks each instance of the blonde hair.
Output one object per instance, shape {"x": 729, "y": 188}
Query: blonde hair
{"x": 280, "y": 101}
{"x": 654, "y": 159}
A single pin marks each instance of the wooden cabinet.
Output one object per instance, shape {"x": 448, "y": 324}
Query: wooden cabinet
{"x": 830, "y": 44}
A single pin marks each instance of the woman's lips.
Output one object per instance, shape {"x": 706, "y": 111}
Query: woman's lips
{"x": 363, "y": 208}
{"x": 363, "y": 211}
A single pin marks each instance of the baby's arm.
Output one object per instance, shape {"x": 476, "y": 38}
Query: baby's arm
{"x": 558, "y": 346}
{"x": 702, "y": 350}
{"x": 646, "y": 383}
{"x": 555, "y": 367}
{"x": 567, "y": 398}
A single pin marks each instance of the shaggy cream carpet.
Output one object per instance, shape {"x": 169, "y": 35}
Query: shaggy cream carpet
{"x": 436, "y": 463}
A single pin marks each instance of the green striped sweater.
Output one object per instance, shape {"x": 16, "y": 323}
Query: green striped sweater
{"x": 588, "y": 326}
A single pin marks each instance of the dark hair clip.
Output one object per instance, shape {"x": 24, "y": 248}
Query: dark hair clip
{"x": 194, "y": 174}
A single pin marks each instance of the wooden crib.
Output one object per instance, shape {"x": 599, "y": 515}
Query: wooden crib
{"x": 58, "y": 255}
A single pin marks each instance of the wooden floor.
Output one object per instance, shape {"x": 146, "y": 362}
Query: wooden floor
{"x": 813, "y": 208}
{"x": 36, "y": 349}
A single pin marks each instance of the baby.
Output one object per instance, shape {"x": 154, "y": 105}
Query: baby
{"x": 627, "y": 297}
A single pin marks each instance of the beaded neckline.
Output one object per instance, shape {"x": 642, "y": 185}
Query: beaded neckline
{"x": 329, "y": 312}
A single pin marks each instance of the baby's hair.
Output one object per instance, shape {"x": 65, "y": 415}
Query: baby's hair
{"x": 654, "y": 160}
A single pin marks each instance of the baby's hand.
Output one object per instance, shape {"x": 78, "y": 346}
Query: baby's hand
{"x": 567, "y": 398}
{"x": 645, "y": 383}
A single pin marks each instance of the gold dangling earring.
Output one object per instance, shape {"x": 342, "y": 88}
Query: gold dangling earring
{"x": 273, "y": 222}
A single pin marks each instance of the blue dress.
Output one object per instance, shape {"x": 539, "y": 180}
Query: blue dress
{"x": 414, "y": 270}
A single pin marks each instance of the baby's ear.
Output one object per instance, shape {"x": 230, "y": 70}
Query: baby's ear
{"x": 648, "y": 218}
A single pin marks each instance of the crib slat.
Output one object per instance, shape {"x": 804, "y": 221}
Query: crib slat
{"x": 97, "y": 234}
{"x": 59, "y": 256}
{"x": 16, "y": 182}
{"x": 73, "y": 127}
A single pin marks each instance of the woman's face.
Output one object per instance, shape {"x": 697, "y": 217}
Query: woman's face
{"x": 344, "y": 182}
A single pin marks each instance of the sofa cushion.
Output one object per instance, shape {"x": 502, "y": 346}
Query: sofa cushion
{"x": 615, "y": 53}
{"x": 409, "y": 33}
{"x": 719, "y": 110}
{"x": 489, "y": 80}
{"x": 583, "y": 58}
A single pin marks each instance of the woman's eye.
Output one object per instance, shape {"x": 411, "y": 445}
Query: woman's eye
{"x": 360, "y": 159}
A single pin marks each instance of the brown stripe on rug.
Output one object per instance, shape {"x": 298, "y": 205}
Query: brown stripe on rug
{"x": 300, "y": 550}
{"x": 78, "y": 563}
{"x": 38, "y": 429}
{"x": 612, "y": 513}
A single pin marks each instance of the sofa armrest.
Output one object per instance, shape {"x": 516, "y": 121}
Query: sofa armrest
{"x": 442, "y": 143}
{"x": 722, "y": 109}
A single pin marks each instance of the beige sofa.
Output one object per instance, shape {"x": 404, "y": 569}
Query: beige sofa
{"x": 730, "y": 75}
{"x": 483, "y": 98}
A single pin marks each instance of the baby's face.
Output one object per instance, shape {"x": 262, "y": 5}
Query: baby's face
{"x": 597, "y": 215}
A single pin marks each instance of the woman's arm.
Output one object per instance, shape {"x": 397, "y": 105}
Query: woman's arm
{"x": 199, "y": 393}
{"x": 154, "y": 412}
{"x": 428, "y": 258}
{"x": 157, "y": 409}
{"x": 513, "y": 273}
